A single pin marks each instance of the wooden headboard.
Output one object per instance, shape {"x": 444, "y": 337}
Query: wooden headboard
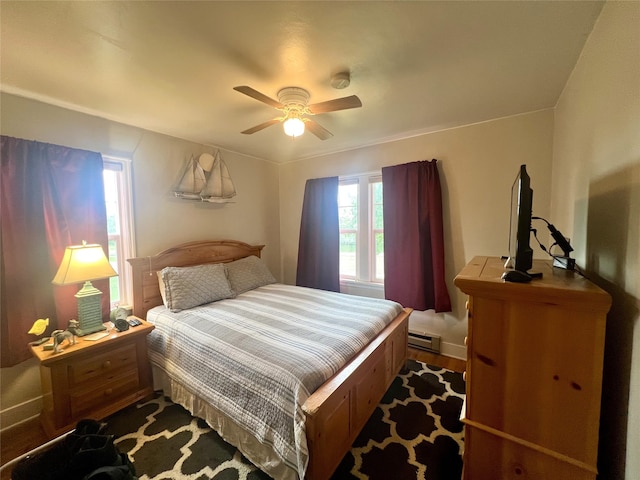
{"x": 146, "y": 291}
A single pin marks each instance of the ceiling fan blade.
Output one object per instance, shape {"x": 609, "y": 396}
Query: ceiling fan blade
{"x": 262, "y": 126}
{"x": 317, "y": 129}
{"x": 343, "y": 103}
{"x": 258, "y": 96}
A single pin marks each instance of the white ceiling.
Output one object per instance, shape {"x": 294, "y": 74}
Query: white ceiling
{"x": 170, "y": 67}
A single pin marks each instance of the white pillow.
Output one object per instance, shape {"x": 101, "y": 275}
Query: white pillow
{"x": 248, "y": 273}
{"x": 187, "y": 287}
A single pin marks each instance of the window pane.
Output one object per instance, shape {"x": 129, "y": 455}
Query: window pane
{"x": 377, "y": 225}
{"x": 114, "y": 292}
{"x": 348, "y": 194}
{"x": 379, "y": 256}
{"x": 114, "y": 282}
{"x": 377, "y": 192}
{"x": 117, "y": 195}
{"x": 113, "y": 229}
{"x": 348, "y": 218}
{"x": 377, "y": 205}
{"x": 348, "y": 254}
{"x": 348, "y": 206}
{"x": 111, "y": 201}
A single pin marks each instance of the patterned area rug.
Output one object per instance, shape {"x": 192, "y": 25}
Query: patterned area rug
{"x": 415, "y": 433}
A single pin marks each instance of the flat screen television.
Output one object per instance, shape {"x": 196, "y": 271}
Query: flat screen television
{"x": 520, "y": 252}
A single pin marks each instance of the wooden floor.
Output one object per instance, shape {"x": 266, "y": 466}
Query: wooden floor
{"x": 29, "y": 435}
{"x": 437, "y": 360}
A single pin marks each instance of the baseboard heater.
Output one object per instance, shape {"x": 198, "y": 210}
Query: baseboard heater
{"x": 424, "y": 341}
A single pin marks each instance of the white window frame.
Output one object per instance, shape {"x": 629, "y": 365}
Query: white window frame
{"x": 126, "y": 239}
{"x": 364, "y": 282}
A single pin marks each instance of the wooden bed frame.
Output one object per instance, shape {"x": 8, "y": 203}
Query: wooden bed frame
{"x": 339, "y": 409}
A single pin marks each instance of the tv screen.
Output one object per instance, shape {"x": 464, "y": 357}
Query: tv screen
{"x": 520, "y": 253}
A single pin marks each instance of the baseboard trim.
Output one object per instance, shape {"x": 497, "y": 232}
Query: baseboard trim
{"x": 20, "y": 413}
{"x": 453, "y": 350}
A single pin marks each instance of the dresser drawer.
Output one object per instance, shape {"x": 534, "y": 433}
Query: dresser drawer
{"x": 496, "y": 457}
{"x": 96, "y": 394}
{"x": 107, "y": 363}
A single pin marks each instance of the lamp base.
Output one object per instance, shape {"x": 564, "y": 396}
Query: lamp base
{"x": 89, "y": 310}
{"x": 80, "y": 332}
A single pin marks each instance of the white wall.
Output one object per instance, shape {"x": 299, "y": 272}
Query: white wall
{"x": 596, "y": 193}
{"x": 161, "y": 220}
{"x": 477, "y": 166}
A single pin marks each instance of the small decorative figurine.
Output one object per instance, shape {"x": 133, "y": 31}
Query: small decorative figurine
{"x": 69, "y": 334}
{"x": 38, "y": 328}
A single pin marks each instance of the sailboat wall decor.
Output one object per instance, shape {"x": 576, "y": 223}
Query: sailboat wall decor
{"x": 192, "y": 181}
{"x": 214, "y": 185}
{"x": 219, "y": 187}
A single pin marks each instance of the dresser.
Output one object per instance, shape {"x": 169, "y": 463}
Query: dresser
{"x": 534, "y": 373}
{"x": 93, "y": 378}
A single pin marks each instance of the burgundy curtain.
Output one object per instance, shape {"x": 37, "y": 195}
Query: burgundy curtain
{"x": 319, "y": 247}
{"x": 51, "y": 197}
{"x": 413, "y": 237}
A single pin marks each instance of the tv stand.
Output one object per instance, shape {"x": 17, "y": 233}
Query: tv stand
{"x": 533, "y": 374}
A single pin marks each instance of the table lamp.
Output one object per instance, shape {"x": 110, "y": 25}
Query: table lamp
{"x": 83, "y": 263}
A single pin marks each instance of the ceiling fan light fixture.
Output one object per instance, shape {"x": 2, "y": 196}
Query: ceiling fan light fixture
{"x": 294, "y": 127}
{"x": 289, "y": 96}
{"x": 293, "y": 102}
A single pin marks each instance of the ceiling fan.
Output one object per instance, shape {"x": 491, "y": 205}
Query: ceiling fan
{"x": 293, "y": 102}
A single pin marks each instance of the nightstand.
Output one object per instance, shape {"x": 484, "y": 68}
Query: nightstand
{"x": 93, "y": 378}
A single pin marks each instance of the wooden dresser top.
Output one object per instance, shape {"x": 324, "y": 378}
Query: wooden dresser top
{"x": 482, "y": 276}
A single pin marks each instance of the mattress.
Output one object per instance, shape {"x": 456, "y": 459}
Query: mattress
{"x": 248, "y": 364}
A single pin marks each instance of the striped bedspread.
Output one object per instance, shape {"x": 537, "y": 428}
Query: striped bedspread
{"x": 258, "y": 357}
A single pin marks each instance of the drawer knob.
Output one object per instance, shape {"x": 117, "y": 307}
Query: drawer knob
{"x": 108, "y": 391}
{"x": 466, "y": 341}
{"x": 106, "y": 364}
{"x": 464, "y": 375}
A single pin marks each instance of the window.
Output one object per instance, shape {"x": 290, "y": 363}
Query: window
{"x": 361, "y": 229}
{"x": 117, "y": 196}
{"x": 348, "y": 215}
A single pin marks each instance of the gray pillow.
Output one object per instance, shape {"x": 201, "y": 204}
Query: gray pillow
{"x": 187, "y": 287}
{"x": 248, "y": 273}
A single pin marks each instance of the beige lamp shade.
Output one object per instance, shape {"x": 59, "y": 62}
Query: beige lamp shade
{"x": 83, "y": 263}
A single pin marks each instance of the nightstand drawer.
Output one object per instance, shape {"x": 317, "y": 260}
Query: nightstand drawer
{"x": 100, "y": 393}
{"x": 118, "y": 360}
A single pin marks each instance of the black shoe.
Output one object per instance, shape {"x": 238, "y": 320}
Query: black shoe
{"x": 91, "y": 452}
{"x": 43, "y": 465}
{"x": 90, "y": 427}
{"x": 72, "y": 457}
{"x": 125, "y": 471}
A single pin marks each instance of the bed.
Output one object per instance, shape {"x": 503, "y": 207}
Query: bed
{"x": 330, "y": 412}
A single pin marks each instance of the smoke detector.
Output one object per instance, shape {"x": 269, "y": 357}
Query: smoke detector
{"x": 341, "y": 80}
